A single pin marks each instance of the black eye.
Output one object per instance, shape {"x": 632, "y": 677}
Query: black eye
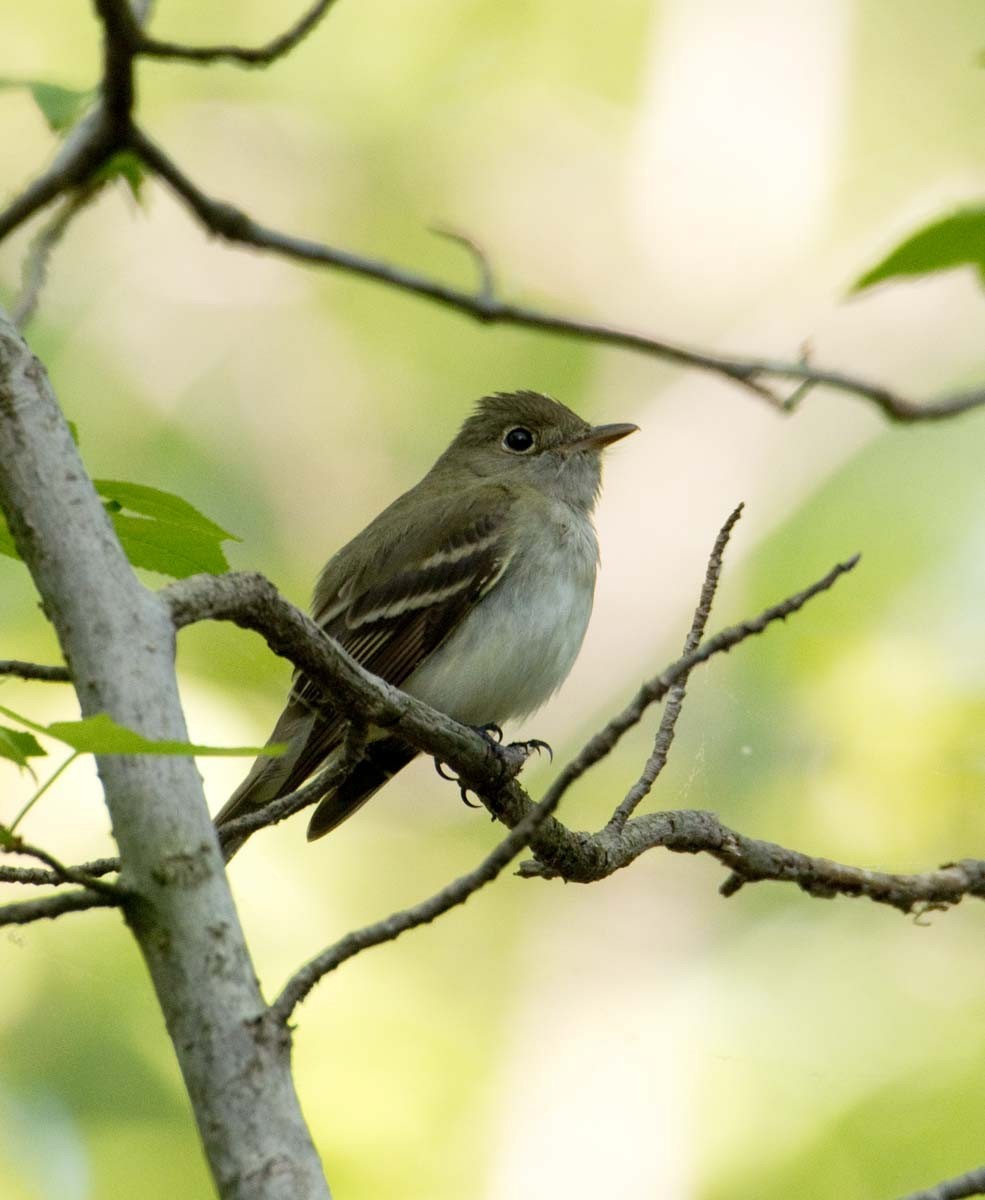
{"x": 519, "y": 439}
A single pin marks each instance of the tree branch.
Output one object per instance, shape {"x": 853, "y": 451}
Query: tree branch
{"x": 229, "y": 222}
{"x": 232, "y": 834}
{"x": 119, "y": 640}
{"x": 593, "y": 856}
{"x": 23, "y": 912}
{"x": 255, "y": 56}
{"x": 117, "y": 95}
{"x": 29, "y": 670}
{"x": 42, "y": 877}
{"x": 654, "y": 690}
{"x": 971, "y": 1184}
{"x": 62, "y": 873}
{"x": 455, "y": 893}
{"x": 34, "y": 273}
{"x": 675, "y": 697}
{"x": 81, "y": 156}
{"x": 101, "y": 132}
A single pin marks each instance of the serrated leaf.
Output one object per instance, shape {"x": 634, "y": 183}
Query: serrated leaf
{"x": 169, "y": 536}
{"x": 102, "y": 735}
{"x": 19, "y": 746}
{"x": 168, "y": 549}
{"x": 152, "y": 502}
{"x": 957, "y": 240}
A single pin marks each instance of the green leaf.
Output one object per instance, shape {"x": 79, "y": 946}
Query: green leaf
{"x": 954, "y": 241}
{"x": 102, "y": 735}
{"x": 60, "y": 106}
{"x": 19, "y": 746}
{"x": 151, "y": 502}
{"x": 125, "y": 165}
{"x": 168, "y": 549}
{"x": 168, "y": 535}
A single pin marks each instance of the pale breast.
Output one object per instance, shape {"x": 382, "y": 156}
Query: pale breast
{"x": 516, "y": 647}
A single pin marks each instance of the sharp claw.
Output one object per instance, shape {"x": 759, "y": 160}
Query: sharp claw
{"x": 439, "y": 766}
{"x": 535, "y": 744}
{"x": 463, "y": 791}
{"x": 538, "y": 745}
{"x": 490, "y": 731}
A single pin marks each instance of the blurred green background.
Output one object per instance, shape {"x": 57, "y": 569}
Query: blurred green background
{"x": 708, "y": 172}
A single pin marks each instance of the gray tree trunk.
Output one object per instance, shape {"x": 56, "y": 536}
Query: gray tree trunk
{"x": 118, "y": 640}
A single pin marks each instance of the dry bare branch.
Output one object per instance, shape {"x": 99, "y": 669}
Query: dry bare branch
{"x": 450, "y": 896}
{"x": 38, "y": 671}
{"x": 258, "y": 56}
{"x": 34, "y": 273}
{"x": 675, "y": 697}
{"x": 101, "y": 132}
{"x": 233, "y": 834}
{"x": 962, "y": 1186}
{"x": 587, "y": 857}
{"x": 45, "y": 877}
{"x": 62, "y": 873}
{"x": 23, "y": 912}
{"x": 231, "y": 223}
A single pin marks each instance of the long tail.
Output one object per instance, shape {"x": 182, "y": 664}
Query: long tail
{"x": 311, "y": 744}
{"x": 380, "y": 762}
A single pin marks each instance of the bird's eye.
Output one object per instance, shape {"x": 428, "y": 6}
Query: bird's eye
{"x": 519, "y": 439}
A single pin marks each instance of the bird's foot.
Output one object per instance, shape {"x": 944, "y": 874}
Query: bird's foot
{"x": 513, "y": 756}
{"x": 463, "y": 790}
{"x": 534, "y": 746}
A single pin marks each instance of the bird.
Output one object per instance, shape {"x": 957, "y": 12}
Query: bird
{"x": 472, "y": 592}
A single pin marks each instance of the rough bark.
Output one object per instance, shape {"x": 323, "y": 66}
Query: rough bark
{"x": 118, "y": 639}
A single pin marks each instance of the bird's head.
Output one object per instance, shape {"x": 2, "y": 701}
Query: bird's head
{"x": 526, "y": 437}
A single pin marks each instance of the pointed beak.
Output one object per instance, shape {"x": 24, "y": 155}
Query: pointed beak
{"x": 601, "y": 436}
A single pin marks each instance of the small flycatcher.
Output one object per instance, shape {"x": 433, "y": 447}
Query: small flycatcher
{"x": 472, "y": 592}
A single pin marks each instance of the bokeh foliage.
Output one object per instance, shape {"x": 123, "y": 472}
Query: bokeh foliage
{"x": 773, "y": 1046}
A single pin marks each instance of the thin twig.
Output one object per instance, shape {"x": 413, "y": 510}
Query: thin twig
{"x": 233, "y": 834}
{"x": 23, "y": 912}
{"x": 675, "y": 697}
{"x": 235, "y": 226}
{"x": 253, "y": 603}
{"x": 654, "y": 690}
{"x": 66, "y": 874}
{"x": 34, "y": 272}
{"x": 103, "y": 131}
{"x": 258, "y": 56}
{"x": 971, "y": 1184}
{"x": 455, "y": 893}
{"x": 30, "y": 670}
{"x": 109, "y": 128}
{"x": 52, "y": 778}
{"x": 486, "y": 291}
{"x": 81, "y": 156}
{"x": 592, "y": 856}
{"x": 42, "y": 877}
